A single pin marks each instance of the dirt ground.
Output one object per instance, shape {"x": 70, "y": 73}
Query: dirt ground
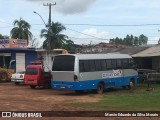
{"x": 23, "y": 98}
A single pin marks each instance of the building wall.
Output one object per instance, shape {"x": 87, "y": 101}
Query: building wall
{"x": 30, "y": 55}
{"x": 156, "y": 63}
{"x": 138, "y": 61}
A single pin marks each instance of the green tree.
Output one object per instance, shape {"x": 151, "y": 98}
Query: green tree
{"x": 143, "y": 40}
{"x": 117, "y": 40}
{"x": 4, "y": 36}
{"x": 131, "y": 40}
{"x": 69, "y": 45}
{"x": 136, "y": 41}
{"x": 112, "y": 41}
{"x": 57, "y": 39}
{"x": 1, "y": 36}
{"x": 21, "y": 30}
{"x": 33, "y": 43}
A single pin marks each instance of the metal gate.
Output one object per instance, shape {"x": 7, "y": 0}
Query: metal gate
{"x": 20, "y": 62}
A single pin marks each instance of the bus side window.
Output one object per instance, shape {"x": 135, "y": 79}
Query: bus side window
{"x": 119, "y": 64}
{"x": 114, "y": 65}
{"x": 92, "y": 65}
{"x": 98, "y": 65}
{"x": 109, "y": 66}
{"x": 103, "y": 64}
{"x": 86, "y": 66}
{"x": 81, "y": 66}
{"x": 125, "y": 63}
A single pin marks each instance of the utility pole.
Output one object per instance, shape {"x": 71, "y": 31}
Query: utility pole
{"x": 49, "y": 24}
{"x": 91, "y": 45}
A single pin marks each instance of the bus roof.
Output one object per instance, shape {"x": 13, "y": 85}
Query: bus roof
{"x": 99, "y": 56}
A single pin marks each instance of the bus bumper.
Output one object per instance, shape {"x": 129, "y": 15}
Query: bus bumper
{"x": 72, "y": 85}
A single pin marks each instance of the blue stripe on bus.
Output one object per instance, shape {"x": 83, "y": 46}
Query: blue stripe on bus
{"x": 92, "y": 84}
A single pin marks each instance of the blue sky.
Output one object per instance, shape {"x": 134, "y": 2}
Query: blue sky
{"x": 96, "y": 12}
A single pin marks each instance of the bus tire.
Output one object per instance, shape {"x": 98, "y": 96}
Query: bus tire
{"x": 131, "y": 84}
{"x": 124, "y": 87}
{"x": 100, "y": 88}
{"x": 33, "y": 86}
{"x": 79, "y": 91}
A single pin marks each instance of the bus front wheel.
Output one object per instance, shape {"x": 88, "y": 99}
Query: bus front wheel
{"x": 131, "y": 84}
{"x": 100, "y": 88}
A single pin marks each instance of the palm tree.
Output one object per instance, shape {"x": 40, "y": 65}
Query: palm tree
{"x": 4, "y": 36}
{"x": 57, "y": 39}
{"x": 21, "y": 30}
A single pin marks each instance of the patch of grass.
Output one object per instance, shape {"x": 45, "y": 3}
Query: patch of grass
{"x": 126, "y": 100}
{"x": 91, "y": 95}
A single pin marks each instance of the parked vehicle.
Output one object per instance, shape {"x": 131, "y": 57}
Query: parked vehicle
{"x": 6, "y": 70}
{"x": 35, "y": 76}
{"x": 143, "y": 74}
{"x": 18, "y": 77}
{"x": 81, "y": 72}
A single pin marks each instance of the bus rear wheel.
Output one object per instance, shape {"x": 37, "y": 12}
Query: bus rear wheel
{"x": 131, "y": 84}
{"x": 79, "y": 91}
{"x": 100, "y": 88}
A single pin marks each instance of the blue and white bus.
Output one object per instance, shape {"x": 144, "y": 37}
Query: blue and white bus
{"x": 81, "y": 72}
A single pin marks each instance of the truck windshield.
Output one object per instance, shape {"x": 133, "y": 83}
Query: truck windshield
{"x": 63, "y": 63}
{"x": 31, "y": 71}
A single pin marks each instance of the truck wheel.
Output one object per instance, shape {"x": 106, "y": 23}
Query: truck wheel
{"x": 100, "y": 88}
{"x": 3, "y": 76}
{"x": 131, "y": 84}
{"x": 33, "y": 86}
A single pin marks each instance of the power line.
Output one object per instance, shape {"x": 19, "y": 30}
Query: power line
{"x": 88, "y": 38}
{"x": 5, "y": 22}
{"x": 86, "y": 34}
{"x": 123, "y": 25}
{"x": 6, "y": 27}
{"x": 103, "y": 25}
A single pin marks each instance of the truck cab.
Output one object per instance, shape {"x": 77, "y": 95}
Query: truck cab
{"x": 35, "y": 76}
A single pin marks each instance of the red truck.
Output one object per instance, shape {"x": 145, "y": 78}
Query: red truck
{"x": 35, "y": 76}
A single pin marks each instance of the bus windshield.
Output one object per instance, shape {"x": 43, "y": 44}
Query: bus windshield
{"x": 63, "y": 63}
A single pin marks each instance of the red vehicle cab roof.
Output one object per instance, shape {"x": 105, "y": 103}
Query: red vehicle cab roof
{"x": 34, "y": 66}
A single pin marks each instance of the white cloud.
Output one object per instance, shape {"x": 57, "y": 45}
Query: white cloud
{"x": 69, "y": 6}
{"x": 2, "y": 22}
{"x": 94, "y": 32}
{"x": 153, "y": 40}
{"x": 73, "y": 6}
{"x": 92, "y": 35}
{"x": 147, "y": 4}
